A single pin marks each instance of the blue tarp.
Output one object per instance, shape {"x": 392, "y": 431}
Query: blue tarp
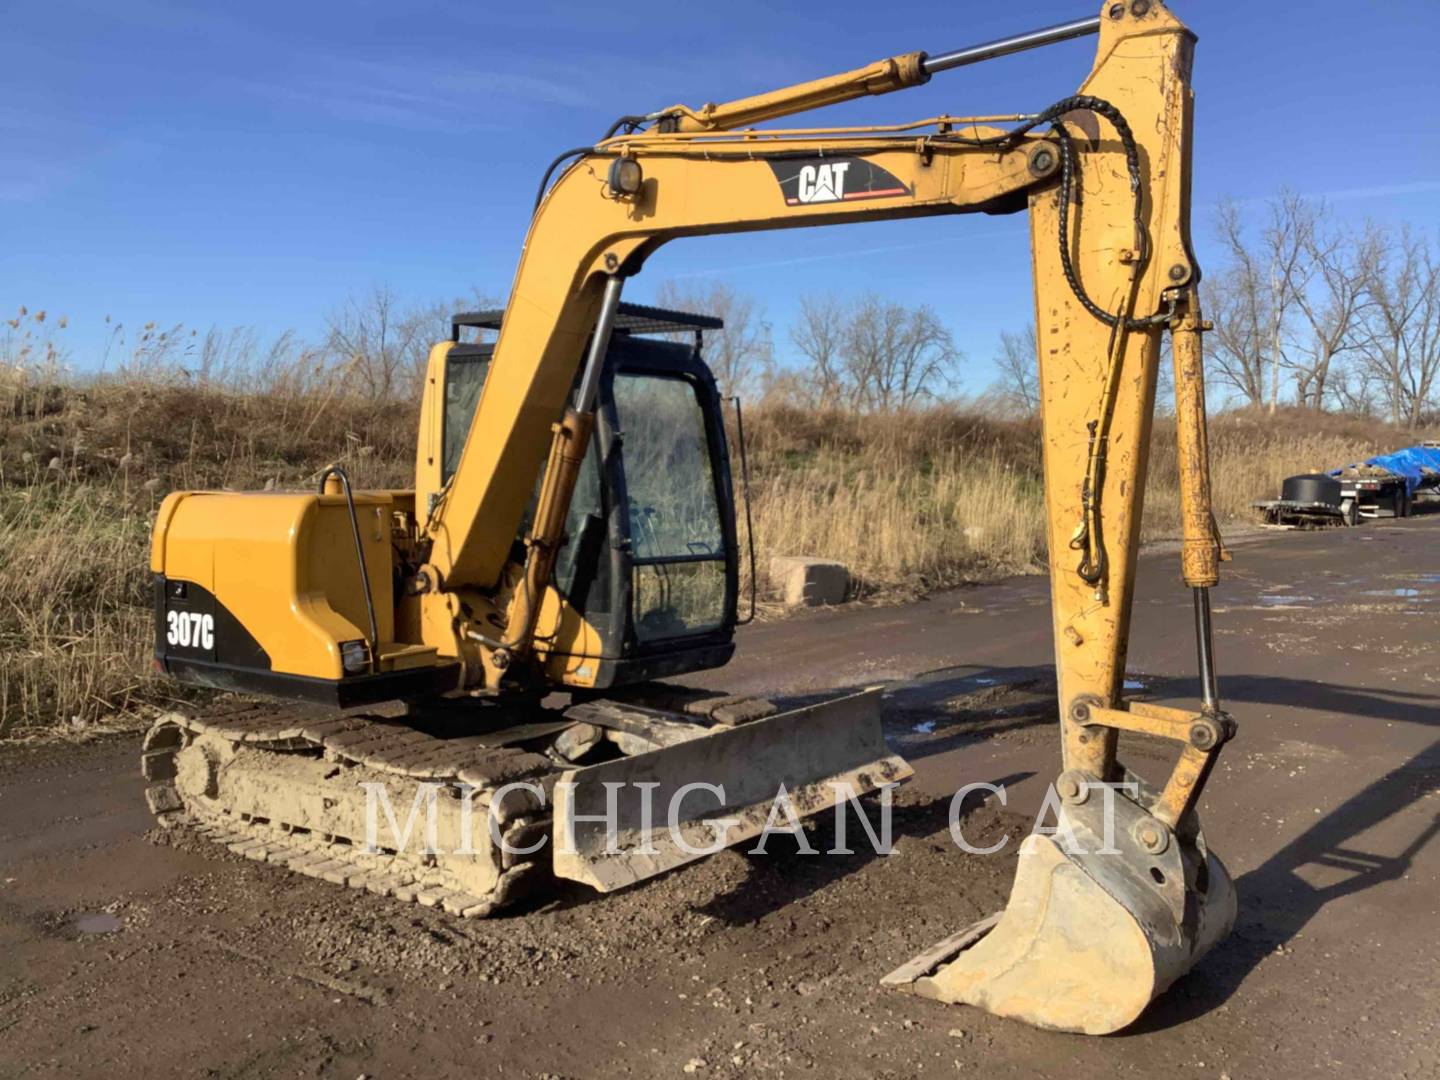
{"x": 1415, "y": 465}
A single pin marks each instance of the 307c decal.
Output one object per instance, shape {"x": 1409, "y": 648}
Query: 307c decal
{"x": 190, "y": 630}
{"x": 807, "y": 181}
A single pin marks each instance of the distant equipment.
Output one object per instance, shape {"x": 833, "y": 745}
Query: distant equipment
{"x": 1314, "y": 489}
{"x": 1386, "y": 485}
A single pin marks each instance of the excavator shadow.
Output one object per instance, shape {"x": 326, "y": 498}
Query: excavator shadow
{"x": 953, "y": 707}
{"x": 786, "y": 873}
{"x": 1403, "y": 706}
{"x": 1322, "y": 865}
{"x": 932, "y": 713}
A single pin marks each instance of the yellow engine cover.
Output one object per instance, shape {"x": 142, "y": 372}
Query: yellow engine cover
{"x": 257, "y": 585}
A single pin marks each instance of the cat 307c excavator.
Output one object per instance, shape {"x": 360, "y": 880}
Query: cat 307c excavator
{"x": 572, "y": 529}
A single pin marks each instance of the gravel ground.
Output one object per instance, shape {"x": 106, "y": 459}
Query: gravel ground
{"x": 124, "y": 953}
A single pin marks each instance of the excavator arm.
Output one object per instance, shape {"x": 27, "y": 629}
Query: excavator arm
{"x": 1091, "y": 933}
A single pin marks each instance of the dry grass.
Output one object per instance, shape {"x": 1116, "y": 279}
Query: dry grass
{"x": 1251, "y": 452}
{"x": 82, "y": 469}
{"x": 910, "y": 504}
{"x": 907, "y": 503}
{"x": 948, "y": 496}
{"x": 73, "y": 604}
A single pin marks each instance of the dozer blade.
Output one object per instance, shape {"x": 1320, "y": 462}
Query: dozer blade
{"x": 614, "y": 823}
{"x": 1092, "y": 934}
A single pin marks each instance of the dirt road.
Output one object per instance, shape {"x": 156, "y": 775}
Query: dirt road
{"x": 121, "y": 957}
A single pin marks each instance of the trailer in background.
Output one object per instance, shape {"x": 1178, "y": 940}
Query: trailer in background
{"x": 1383, "y": 486}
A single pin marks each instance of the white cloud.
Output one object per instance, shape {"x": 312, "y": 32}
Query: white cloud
{"x": 418, "y": 96}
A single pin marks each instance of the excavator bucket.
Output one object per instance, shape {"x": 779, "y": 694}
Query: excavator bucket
{"x": 625, "y": 820}
{"x": 1096, "y": 927}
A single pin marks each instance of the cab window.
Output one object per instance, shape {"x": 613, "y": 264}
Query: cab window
{"x": 464, "y": 379}
{"x": 677, "y": 544}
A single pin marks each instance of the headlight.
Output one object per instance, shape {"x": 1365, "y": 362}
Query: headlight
{"x": 625, "y": 177}
{"x": 354, "y": 657}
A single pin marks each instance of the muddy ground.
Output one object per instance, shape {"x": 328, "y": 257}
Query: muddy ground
{"x": 120, "y": 956}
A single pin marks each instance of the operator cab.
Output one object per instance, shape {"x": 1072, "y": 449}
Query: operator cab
{"x": 650, "y": 554}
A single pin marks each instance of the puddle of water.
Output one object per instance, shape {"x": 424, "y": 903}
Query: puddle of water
{"x": 1134, "y": 684}
{"x": 925, "y": 727}
{"x": 97, "y": 922}
{"x": 984, "y": 680}
{"x": 1278, "y": 600}
{"x": 1428, "y": 579}
{"x": 1392, "y": 592}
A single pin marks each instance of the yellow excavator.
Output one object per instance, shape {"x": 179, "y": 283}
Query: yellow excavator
{"x": 572, "y": 529}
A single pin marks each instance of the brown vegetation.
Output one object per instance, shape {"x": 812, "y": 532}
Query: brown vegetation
{"x": 924, "y": 500}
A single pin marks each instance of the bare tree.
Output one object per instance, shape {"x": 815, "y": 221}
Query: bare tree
{"x": 819, "y": 334}
{"x": 1242, "y": 307}
{"x": 740, "y": 355}
{"x": 1353, "y": 318}
{"x": 1284, "y": 242}
{"x": 1402, "y": 347}
{"x": 897, "y": 356}
{"x": 1329, "y": 292}
{"x": 1251, "y": 298}
{"x": 1239, "y": 305}
{"x": 871, "y": 354}
{"x": 383, "y": 345}
{"x": 1355, "y": 389}
{"x": 1019, "y": 382}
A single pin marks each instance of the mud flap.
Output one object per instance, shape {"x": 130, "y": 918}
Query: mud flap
{"x": 612, "y": 821}
{"x": 1091, "y": 934}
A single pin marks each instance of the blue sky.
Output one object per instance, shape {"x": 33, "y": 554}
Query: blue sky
{"x": 255, "y": 164}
